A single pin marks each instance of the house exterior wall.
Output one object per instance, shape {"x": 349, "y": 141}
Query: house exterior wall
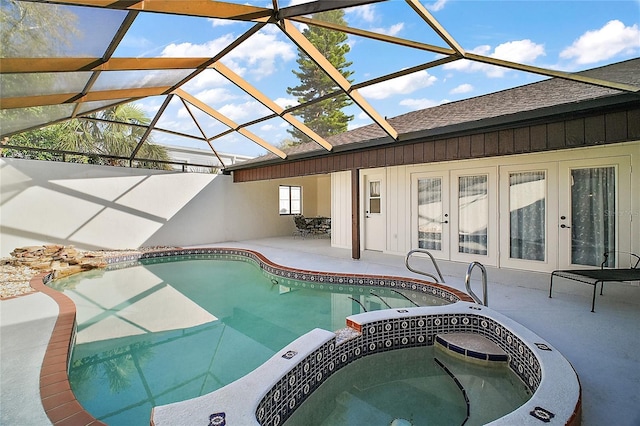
{"x": 400, "y": 199}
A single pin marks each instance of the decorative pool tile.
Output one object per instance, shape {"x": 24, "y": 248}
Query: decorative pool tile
{"x": 384, "y": 335}
{"x": 217, "y": 419}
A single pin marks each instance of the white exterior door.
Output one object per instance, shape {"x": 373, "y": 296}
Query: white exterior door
{"x": 431, "y": 218}
{"x": 594, "y": 211}
{"x": 374, "y": 212}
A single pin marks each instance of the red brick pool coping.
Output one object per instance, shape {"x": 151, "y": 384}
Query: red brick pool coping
{"x": 58, "y": 400}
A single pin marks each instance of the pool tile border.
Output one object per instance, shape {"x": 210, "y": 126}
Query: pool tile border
{"x": 58, "y": 400}
{"x": 440, "y": 291}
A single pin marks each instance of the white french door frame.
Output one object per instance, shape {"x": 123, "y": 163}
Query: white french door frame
{"x": 622, "y": 166}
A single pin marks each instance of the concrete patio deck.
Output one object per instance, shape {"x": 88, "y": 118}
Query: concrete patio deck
{"x": 603, "y": 347}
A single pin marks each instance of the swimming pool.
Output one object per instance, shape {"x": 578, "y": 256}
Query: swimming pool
{"x": 141, "y": 329}
{"x": 272, "y": 379}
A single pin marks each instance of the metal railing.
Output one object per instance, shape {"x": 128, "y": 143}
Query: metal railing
{"x": 467, "y": 283}
{"x": 423, "y": 251}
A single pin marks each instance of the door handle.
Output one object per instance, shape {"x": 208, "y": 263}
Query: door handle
{"x": 564, "y": 226}
{"x": 445, "y": 221}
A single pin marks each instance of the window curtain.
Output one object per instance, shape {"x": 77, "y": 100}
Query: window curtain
{"x": 593, "y": 215}
{"x": 527, "y": 204}
{"x": 430, "y": 213}
{"x": 473, "y": 214}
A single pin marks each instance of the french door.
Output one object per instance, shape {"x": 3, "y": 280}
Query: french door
{"x": 455, "y": 214}
{"x": 539, "y": 217}
{"x": 594, "y": 211}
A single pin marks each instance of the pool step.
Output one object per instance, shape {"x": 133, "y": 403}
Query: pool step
{"x": 471, "y": 347}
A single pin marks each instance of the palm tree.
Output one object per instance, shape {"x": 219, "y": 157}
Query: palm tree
{"x": 115, "y": 131}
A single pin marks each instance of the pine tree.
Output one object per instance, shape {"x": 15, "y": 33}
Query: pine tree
{"x": 325, "y": 117}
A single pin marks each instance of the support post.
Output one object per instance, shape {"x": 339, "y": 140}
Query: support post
{"x": 355, "y": 213}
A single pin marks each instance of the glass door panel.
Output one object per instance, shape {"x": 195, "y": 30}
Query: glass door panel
{"x": 527, "y": 215}
{"x": 375, "y": 236}
{"x": 430, "y": 224}
{"x": 474, "y": 218}
{"x": 430, "y": 215}
{"x": 473, "y": 214}
{"x": 528, "y": 212}
{"x": 593, "y": 215}
{"x": 594, "y": 211}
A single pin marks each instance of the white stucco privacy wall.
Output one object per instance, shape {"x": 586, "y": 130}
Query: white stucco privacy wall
{"x": 100, "y": 207}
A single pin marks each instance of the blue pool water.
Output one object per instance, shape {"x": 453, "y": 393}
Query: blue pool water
{"x": 133, "y": 351}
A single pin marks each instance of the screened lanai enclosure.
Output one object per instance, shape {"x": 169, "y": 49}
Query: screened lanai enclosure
{"x": 76, "y": 59}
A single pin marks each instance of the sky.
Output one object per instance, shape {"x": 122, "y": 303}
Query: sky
{"x": 562, "y": 35}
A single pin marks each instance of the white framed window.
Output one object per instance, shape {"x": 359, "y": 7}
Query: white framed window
{"x": 290, "y": 200}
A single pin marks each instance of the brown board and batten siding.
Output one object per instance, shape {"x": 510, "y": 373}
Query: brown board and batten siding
{"x": 597, "y": 128}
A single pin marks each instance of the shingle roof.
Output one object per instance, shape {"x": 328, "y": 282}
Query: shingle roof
{"x": 506, "y": 105}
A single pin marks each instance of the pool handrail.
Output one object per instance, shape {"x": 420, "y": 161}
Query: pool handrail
{"x": 433, "y": 260}
{"x": 467, "y": 283}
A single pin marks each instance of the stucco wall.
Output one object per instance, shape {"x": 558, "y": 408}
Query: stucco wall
{"x": 99, "y": 207}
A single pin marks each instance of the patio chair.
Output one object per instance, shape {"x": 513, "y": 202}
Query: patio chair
{"x": 302, "y": 229}
{"x": 602, "y": 275}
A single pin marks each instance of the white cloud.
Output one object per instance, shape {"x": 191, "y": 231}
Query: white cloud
{"x": 463, "y": 88}
{"x": 190, "y": 50}
{"x": 399, "y": 86}
{"x": 215, "y": 96}
{"x": 521, "y": 51}
{"x": 598, "y": 45}
{"x": 286, "y": 102}
{"x": 391, "y": 31}
{"x": 438, "y": 5}
{"x": 205, "y": 80}
{"x": 258, "y": 55}
{"x": 365, "y": 12}
{"x": 244, "y": 111}
{"x": 215, "y": 22}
